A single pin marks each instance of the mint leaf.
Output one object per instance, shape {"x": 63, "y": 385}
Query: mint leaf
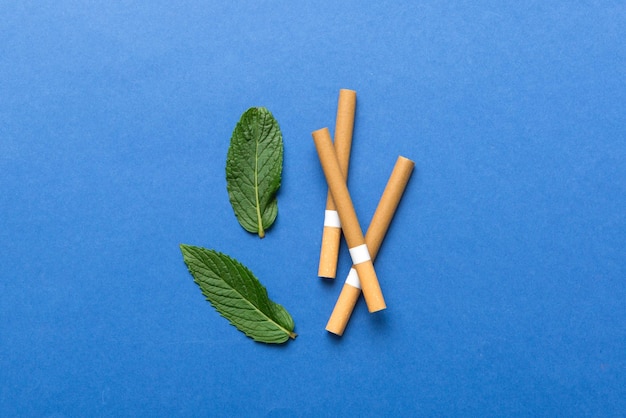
{"x": 238, "y": 296}
{"x": 254, "y": 166}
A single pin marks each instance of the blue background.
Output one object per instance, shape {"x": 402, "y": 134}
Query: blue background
{"x": 504, "y": 270}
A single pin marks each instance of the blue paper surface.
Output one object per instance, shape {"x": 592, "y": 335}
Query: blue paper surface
{"x": 504, "y": 269}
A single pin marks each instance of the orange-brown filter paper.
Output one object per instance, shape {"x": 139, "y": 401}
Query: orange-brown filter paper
{"x": 373, "y": 238}
{"x": 349, "y": 221}
{"x": 331, "y": 236}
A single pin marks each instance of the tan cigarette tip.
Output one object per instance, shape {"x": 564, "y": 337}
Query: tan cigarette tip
{"x": 344, "y": 126}
{"x": 371, "y": 288}
{"x": 343, "y": 309}
{"x": 331, "y": 240}
{"x": 388, "y": 204}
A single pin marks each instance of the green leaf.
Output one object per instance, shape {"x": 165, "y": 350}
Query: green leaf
{"x": 254, "y": 166}
{"x": 238, "y": 296}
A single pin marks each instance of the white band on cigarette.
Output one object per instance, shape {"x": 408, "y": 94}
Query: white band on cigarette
{"x": 360, "y": 254}
{"x": 353, "y": 279}
{"x": 331, "y": 218}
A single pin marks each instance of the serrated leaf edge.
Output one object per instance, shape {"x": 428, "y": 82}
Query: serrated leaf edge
{"x": 272, "y": 203}
{"x": 288, "y": 334}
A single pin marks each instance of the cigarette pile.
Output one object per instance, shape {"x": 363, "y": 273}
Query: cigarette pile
{"x": 340, "y": 216}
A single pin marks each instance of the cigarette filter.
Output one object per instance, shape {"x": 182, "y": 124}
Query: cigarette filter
{"x": 373, "y": 238}
{"x": 349, "y": 222}
{"x": 331, "y": 236}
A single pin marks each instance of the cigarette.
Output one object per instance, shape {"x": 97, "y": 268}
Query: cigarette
{"x": 373, "y": 238}
{"x": 359, "y": 252}
{"x": 331, "y": 236}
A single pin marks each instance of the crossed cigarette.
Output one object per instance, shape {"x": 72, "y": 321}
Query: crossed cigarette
{"x": 340, "y": 216}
